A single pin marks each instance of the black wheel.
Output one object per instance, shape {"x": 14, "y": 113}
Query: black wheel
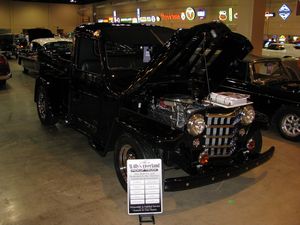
{"x": 44, "y": 108}
{"x": 26, "y": 71}
{"x": 126, "y": 148}
{"x": 288, "y": 123}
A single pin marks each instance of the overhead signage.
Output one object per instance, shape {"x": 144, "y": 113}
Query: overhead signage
{"x": 169, "y": 16}
{"x": 222, "y": 15}
{"x": 144, "y": 186}
{"x": 201, "y": 13}
{"x": 284, "y": 12}
{"x": 230, "y": 14}
{"x": 182, "y": 15}
{"x": 236, "y": 15}
{"x": 227, "y": 15}
{"x": 190, "y": 13}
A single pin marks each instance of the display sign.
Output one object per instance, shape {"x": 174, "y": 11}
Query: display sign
{"x": 284, "y": 12}
{"x": 222, "y": 15}
{"x": 282, "y": 38}
{"x": 144, "y": 186}
{"x": 170, "y": 16}
{"x": 190, "y": 13}
{"x": 269, "y": 14}
{"x": 201, "y": 13}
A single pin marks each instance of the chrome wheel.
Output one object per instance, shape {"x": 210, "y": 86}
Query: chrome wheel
{"x": 290, "y": 125}
{"x": 41, "y": 104}
{"x": 126, "y": 152}
{"x": 44, "y": 109}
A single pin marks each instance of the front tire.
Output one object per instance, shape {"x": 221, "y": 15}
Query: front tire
{"x": 44, "y": 107}
{"x": 288, "y": 123}
{"x": 127, "y": 147}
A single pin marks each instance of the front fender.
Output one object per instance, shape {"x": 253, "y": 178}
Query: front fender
{"x": 159, "y": 136}
{"x": 261, "y": 121}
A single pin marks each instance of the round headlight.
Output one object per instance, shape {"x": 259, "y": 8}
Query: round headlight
{"x": 196, "y": 124}
{"x": 248, "y": 115}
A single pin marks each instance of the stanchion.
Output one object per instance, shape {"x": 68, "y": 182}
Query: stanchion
{"x": 148, "y": 218}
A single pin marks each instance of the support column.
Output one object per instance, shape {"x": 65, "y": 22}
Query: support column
{"x": 251, "y": 22}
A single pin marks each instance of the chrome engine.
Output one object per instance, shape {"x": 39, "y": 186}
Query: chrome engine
{"x": 173, "y": 111}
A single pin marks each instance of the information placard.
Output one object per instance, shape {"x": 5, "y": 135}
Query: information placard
{"x": 144, "y": 186}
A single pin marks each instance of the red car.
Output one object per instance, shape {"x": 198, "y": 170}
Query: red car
{"x": 5, "y": 73}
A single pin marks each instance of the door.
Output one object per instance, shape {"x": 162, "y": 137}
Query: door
{"x": 86, "y": 83}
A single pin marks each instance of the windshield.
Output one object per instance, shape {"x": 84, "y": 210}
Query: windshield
{"x": 131, "y": 47}
{"x": 59, "y": 46}
{"x": 123, "y": 56}
{"x": 264, "y": 72}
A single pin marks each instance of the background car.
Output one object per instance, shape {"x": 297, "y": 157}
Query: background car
{"x": 5, "y": 73}
{"x": 44, "y": 47}
{"x": 292, "y": 65}
{"x": 7, "y": 45}
{"x": 272, "y": 90}
{"x": 281, "y": 50}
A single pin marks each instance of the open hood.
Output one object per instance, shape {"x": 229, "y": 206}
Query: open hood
{"x": 203, "y": 52}
{"x": 194, "y": 58}
{"x": 36, "y": 33}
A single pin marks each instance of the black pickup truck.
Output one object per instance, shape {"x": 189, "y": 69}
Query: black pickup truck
{"x": 144, "y": 92}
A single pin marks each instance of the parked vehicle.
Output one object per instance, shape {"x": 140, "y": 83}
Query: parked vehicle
{"x": 292, "y": 65}
{"x": 142, "y": 91}
{"x": 5, "y": 73}
{"x": 281, "y": 50}
{"x": 44, "y": 48}
{"x": 7, "y": 45}
{"x": 272, "y": 90}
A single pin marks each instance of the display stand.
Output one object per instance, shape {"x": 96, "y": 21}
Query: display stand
{"x": 144, "y": 189}
{"x": 146, "y": 219}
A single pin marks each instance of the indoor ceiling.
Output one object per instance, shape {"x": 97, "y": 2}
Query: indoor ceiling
{"x": 64, "y": 1}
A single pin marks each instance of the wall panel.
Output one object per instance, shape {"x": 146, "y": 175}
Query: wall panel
{"x": 21, "y": 15}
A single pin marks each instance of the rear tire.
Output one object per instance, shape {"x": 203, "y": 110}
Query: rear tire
{"x": 127, "y": 147}
{"x": 26, "y": 71}
{"x": 44, "y": 107}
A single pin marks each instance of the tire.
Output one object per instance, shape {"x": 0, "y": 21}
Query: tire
{"x": 288, "y": 123}
{"x": 126, "y": 148}
{"x": 44, "y": 108}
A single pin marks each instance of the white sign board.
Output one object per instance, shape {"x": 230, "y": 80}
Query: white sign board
{"x": 144, "y": 186}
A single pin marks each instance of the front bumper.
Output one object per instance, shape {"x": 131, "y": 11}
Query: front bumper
{"x": 188, "y": 182}
{"x": 5, "y": 77}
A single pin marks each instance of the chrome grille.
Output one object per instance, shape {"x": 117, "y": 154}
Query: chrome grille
{"x": 219, "y": 134}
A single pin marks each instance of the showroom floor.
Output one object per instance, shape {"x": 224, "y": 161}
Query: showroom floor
{"x": 53, "y": 177}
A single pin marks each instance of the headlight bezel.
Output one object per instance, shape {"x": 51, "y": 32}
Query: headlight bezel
{"x": 196, "y": 124}
{"x": 248, "y": 115}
